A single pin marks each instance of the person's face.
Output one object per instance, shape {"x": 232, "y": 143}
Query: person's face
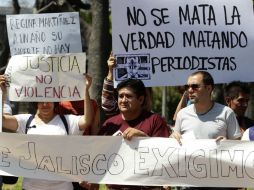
{"x": 197, "y": 90}
{"x": 239, "y": 104}
{"x": 128, "y": 101}
{"x": 45, "y": 107}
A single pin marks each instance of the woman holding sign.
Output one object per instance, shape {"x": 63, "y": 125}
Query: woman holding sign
{"x": 47, "y": 122}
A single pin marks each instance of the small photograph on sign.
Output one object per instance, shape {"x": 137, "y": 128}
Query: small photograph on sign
{"x": 132, "y": 66}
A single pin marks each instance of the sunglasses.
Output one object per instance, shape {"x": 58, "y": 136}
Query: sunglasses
{"x": 192, "y": 86}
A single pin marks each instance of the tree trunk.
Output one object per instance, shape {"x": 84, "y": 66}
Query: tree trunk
{"x": 16, "y": 7}
{"x": 4, "y": 45}
{"x": 99, "y": 46}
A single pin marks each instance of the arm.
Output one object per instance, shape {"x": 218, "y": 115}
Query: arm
{"x": 111, "y": 64}
{"x": 154, "y": 126}
{"x": 7, "y": 111}
{"x": 182, "y": 103}
{"x": 86, "y": 119}
{"x": 109, "y": 99}
{"x": 176, "y": 136}
{"x": 220, "y": 138}
{"x": 9, "y": 122}
{"x": 233, "y": 129}
{"x": 177, "y": 130}
{"x": 3, "y": 89}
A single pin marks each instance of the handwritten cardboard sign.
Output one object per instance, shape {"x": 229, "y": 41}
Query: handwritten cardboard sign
{"x": 46, "y": 77}
{"x": 141, "y": 161}
{"x": 51, "y": 33}
{"x": 162, "y": 42}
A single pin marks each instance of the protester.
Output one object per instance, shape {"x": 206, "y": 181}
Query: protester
{"x": 133, "y": 120}
{"x": 47, "y": 122}
{"x": 204, "y": 119}
{"x": 7, "y": 179}
{"x": 77, "y": 108}
{"x": 236, "y": 95}
{"x": 109, "y": 95}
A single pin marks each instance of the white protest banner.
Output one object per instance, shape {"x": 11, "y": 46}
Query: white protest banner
{"x": 141, "y": 161}
{"x": 51, "y": 33}
{"x": 163, "y": 41}
{"x": 46, "y": 77}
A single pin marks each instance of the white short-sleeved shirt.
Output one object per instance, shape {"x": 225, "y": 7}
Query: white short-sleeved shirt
{"x": 54, "y": 127}
{"x": 7, "y": 108}
{"x": 219, "y": 121}
{"x": 246, "y": 135}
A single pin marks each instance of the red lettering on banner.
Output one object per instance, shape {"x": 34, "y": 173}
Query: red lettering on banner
{"x": 48, "y": 92}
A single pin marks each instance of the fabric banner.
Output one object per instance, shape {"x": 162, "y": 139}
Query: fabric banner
{"x": 51, "y": 78}
{"x": 162, "y": 42}
{"x": 141, "y": 161}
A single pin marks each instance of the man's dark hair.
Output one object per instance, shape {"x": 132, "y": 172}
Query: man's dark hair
{"x": 207, "y": 77}
{"x": 136, "y": 85}
{"x": 233, "y": 89}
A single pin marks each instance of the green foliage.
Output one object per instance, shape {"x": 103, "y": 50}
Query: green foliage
{"x": 103, "y": 187}
{"x": 157, "y": 96}
{"x": 17, "y": 186}
{"x": 86, "y": 16}
{"x": 173, "y": 97}
{"x": 173, "y": 100}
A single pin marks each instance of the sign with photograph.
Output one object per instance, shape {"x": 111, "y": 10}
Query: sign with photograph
{"x": 162, "y": 42}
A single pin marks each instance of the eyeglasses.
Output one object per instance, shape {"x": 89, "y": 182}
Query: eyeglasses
{"x": 192, "y": 86}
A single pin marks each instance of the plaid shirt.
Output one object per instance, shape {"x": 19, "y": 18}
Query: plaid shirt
{"x": 109, "y": 98}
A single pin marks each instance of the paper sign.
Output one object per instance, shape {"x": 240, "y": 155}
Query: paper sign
{"x": 162, "y": 42}
{"x": 50, "y": 78}
{"x": 51, "y": 33}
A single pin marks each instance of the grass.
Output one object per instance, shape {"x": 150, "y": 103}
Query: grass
{"x": 18, "y": 186}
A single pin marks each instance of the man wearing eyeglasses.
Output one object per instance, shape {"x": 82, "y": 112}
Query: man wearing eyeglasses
{"x": 204, "y": 118}
{"x": 236, "y": 95}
